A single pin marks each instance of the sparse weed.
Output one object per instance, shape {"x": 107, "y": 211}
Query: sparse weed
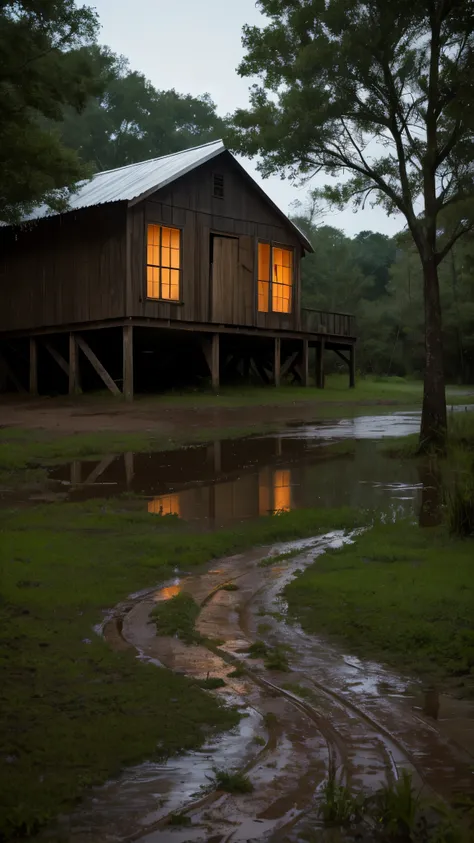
{"x": 237, "y": 673}
{"x": 277, "y": 660}
{"x": 398, "y": 807}
{"x": 338, "y": 805}
{"x": 231, "y": 782}
{"x": 257, "y": 650}
{"x": 176, "y": 617}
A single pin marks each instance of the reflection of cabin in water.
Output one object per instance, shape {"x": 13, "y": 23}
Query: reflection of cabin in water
{"x": 161, "y": 272}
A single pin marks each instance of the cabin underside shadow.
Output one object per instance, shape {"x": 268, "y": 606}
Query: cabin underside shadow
{"x": 129, "y": 358}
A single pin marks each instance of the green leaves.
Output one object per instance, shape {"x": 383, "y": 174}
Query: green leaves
{"x": 380, "y": 90}
{"x": 45, "y": 67}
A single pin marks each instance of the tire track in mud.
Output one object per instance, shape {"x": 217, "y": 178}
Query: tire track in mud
{"x": 320, "y": 724}
{"x": 338, "y": 764}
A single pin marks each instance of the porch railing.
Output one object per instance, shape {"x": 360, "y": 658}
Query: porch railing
{"x": 325, "y": 322}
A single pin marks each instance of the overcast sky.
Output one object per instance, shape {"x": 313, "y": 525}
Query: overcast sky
{"x": 195, "y": 48}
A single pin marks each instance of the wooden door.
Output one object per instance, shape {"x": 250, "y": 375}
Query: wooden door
{"x": 225, "y": 278}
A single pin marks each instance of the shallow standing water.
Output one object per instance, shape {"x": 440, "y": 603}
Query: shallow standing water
{"x": 233, "y": 480}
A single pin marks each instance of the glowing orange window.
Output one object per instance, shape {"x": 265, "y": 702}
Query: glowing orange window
{"x": 282, "y": 490}
{"x": 163, "y": 262}
{"x": 275, "y": 278}
{"x": 282, "y": 280}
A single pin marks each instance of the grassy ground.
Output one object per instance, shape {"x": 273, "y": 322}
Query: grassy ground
{"x": 400, "y": 594}
{"x": 389, "y": 390}
{"x": 72, "y": 711}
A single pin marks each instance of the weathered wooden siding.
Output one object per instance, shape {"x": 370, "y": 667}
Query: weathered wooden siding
{"x": 243, "y": 213}
{"x": 64, "y": 270}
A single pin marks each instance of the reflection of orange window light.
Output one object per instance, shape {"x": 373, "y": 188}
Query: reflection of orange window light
{"x": 168, "y": 592}
{"x": 282, "y": 490}
{"x": 164, "y": 505}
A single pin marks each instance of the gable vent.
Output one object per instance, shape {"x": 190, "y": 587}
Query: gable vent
{"x": 218, "y": 186}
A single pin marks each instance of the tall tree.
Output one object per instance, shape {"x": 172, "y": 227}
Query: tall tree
{"x": 45, "y": 66}
{"x": 381, "y": 92}
{"x": 132, "y": 120}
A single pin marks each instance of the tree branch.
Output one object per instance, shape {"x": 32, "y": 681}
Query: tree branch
{"x": 439, "y": 256}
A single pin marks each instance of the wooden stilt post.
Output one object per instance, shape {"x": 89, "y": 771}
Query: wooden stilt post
{"x": 74, "y": 371}
{"x": 320, "y": 365}
{"x": 128, "y": 362}
{"x": 352, "y": 367}
{"x": 305, "y": 363}
{"x": 215, "y": 362}
{"x": 217, "y": 457}
{"x": 33, "y": 366}
{"x": 277, "y": 362}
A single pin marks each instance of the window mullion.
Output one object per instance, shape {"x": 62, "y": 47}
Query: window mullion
{"x": 160, "y": 288}
{"x": 270, "y": 289}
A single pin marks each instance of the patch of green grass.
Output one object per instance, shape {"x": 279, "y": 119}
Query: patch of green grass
{"x": 231, "y": 782}
{"x": 230, "y": 586}
{"x": 396, "y": 812}
{"x": 399, "y": 594}
{"x": 181, "y": 820}
{"x": 73, "y": 712}
{"x": 269, "y": 561}
{"x": 257, "y": 650}
{"x": 262, "y": 628}
{"x": 237, "y": 673}
{"x": 259, "y": 740}
{"x": 338, "y": 806}
{"x": 298, "y": 690}
{"x": 211, "y": 683}
{"x": 391, "y": 390}
{"x": 176, "y": 617}
{"x": 277, "y": 659}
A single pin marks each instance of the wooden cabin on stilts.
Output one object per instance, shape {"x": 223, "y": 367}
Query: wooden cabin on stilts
{"x": 159, "y": 274}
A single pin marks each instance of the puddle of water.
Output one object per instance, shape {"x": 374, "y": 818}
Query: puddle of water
{"x": 235, "y": 480}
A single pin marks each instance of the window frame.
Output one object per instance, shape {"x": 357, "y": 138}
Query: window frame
{"x": 276, "y": 245}
{"x": 179, "y": 228}
{"x": 220, "y": 176}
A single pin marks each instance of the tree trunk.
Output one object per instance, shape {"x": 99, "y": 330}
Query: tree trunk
{"x": 433, "y": 416}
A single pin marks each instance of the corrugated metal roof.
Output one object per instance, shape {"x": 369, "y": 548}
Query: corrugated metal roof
{"x": 136, "y": 181}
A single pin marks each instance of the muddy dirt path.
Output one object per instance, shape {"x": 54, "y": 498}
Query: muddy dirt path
{"x": 328, "y": 713}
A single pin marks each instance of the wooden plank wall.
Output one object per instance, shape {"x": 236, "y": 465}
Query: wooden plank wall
{"x": 189, "y": 204}
{"x": 65, "y": 269}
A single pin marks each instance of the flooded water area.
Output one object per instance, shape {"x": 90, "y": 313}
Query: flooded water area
{"x": 329, "y": 464}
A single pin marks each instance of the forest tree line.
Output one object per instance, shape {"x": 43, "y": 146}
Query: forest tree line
{"x": 71, "y": 107}
{"x": 379, "y": 279}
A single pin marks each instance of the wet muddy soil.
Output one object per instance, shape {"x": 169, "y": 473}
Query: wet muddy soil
{"x": 329, "y": 712}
